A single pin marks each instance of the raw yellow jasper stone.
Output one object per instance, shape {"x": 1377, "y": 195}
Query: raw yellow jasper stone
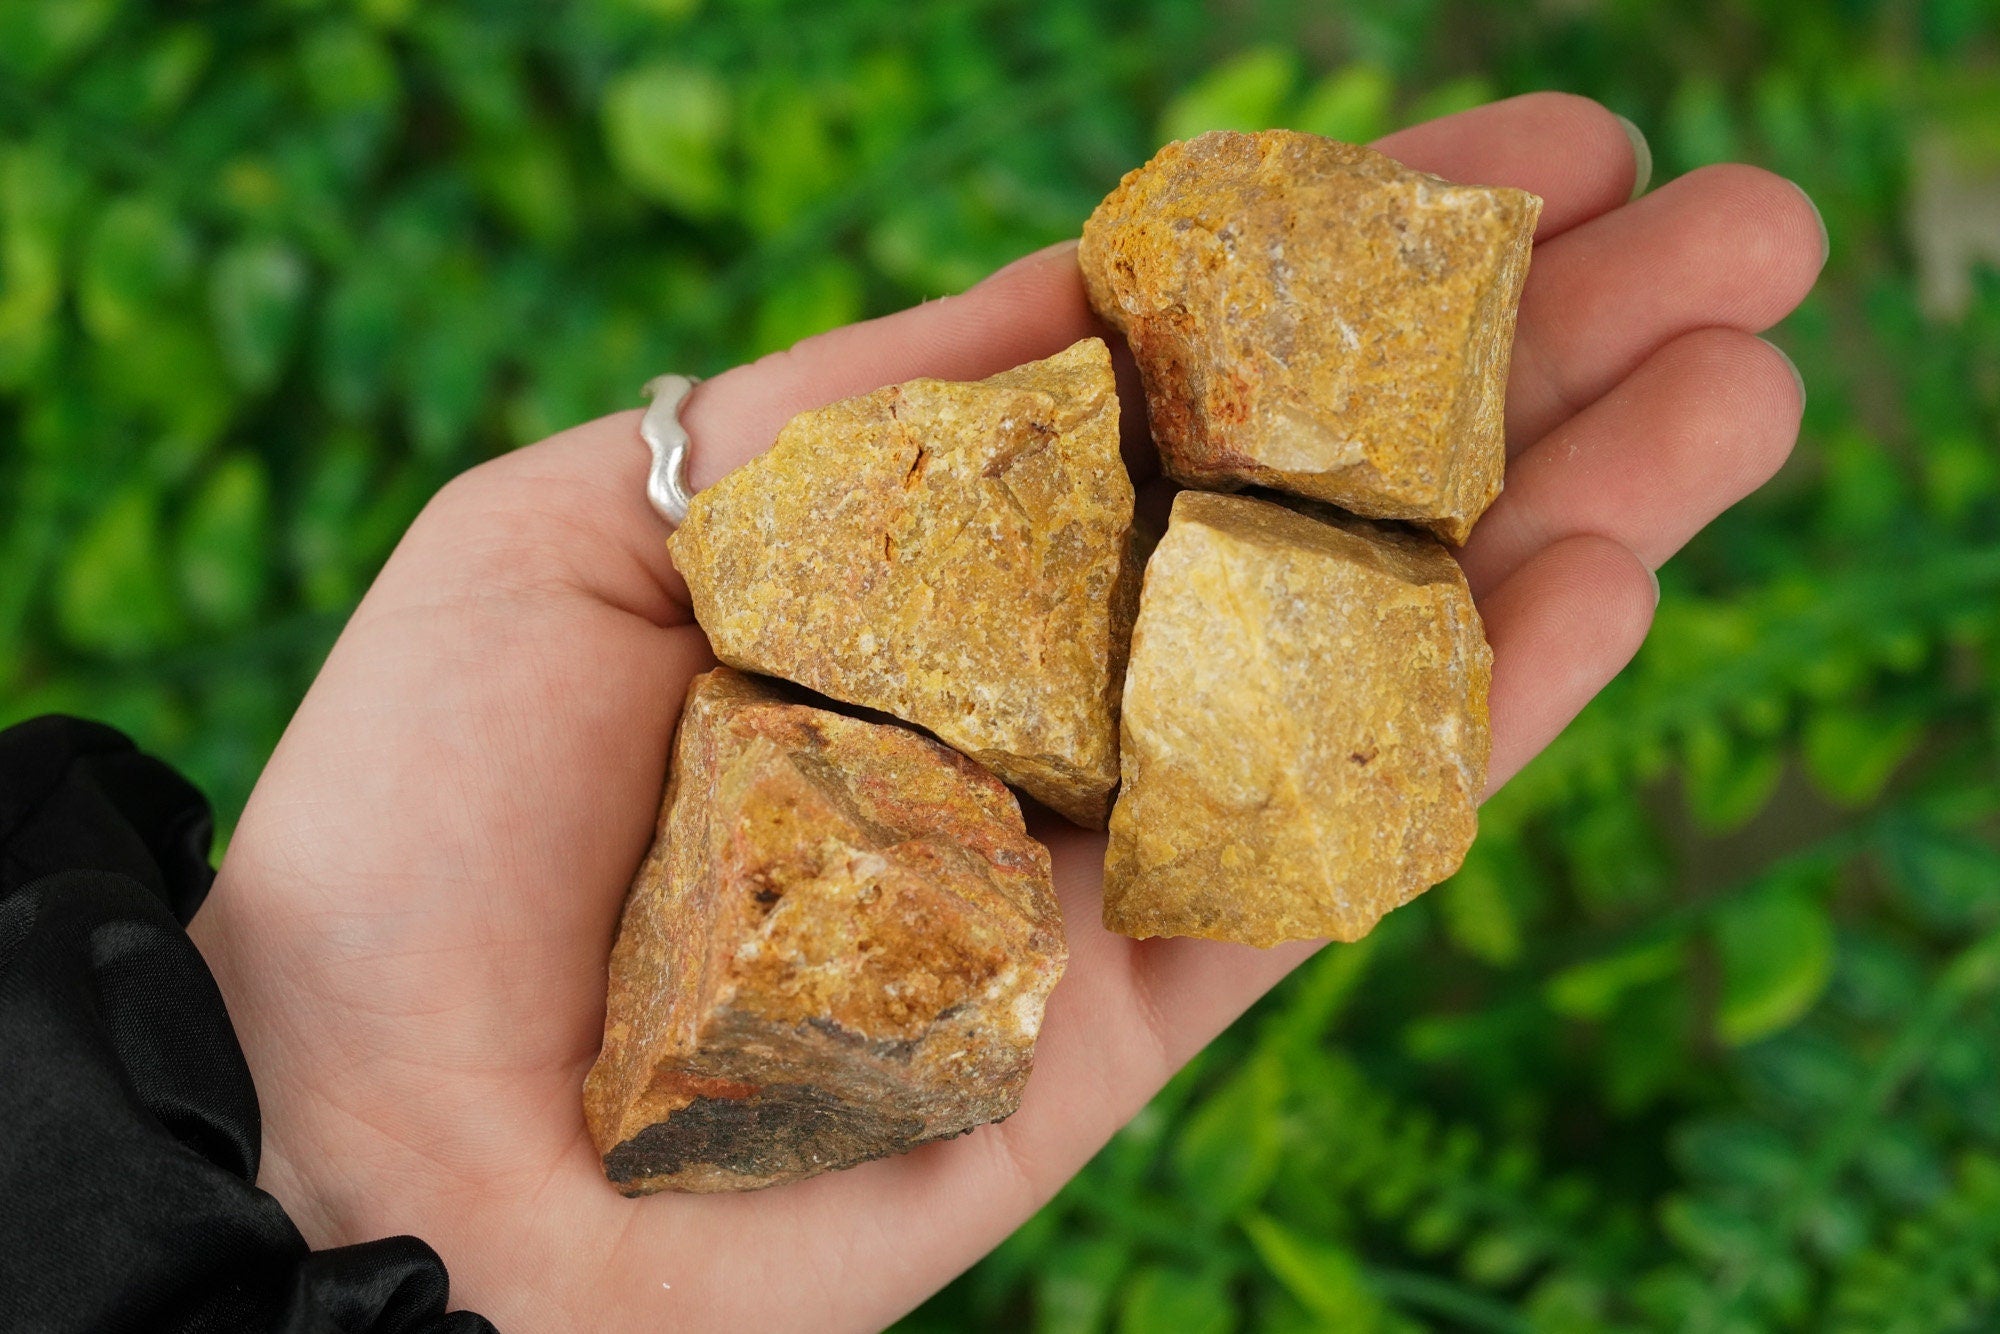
{"x": 838, "y": 948}
{"x": 1312, "y": 316}
{"x": 1305, "y": 731}
{"x": 958, "y": 555}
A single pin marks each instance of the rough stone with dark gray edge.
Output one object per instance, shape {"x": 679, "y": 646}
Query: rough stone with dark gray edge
{"x": 838, "y": 948}
{"x": 1314, "y": 317}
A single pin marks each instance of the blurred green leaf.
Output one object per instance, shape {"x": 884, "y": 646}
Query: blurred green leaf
{"x": 1075, "y": 1289}
{"x": 1740, "y": 1152}
{"x": 360, "y": 328}
{"x": 1776, "y": 945}
{"x": 1852, "y": 754}
{"x": 1865, "y": 489}
{"x": 1168, "y": 1301}
{"x": 37, "y": 197}
{"x": 1591, "y": 990}
{"x": 922, "y": 245}
{"x": 39, "y": 37}
{"x": 1325, "y": 1279}
{"x": 531, "y": 179}
{"x": 1951, "y": 880}
{"x": 322, "y": 546}
{"x": 1501, "y": 1256}
{"x": 113, "y": 597}
{"x": 1475, "y": 906}
{"x": 224, "y": 544}
{"x": 1618, "y": 858}
{"x": 451, "y": 359}
{"x": 1350, "y": 104}
{"x": 1712, "y": 1231}
{"x": 347, "y": 68}
{"x": 171, "y": 68}
{"x": 793, "y": 159}
{"x": 666, "y": 126}
{"x": 1700, "y": 124}
{"x": 1246, "y": 92}
{"x": 1899, "y": 1162}
{"x": 170, "y": 372}
{"x": 824, "y": 296}
{"x": 1450, "y": 98}
{"x": 1728, "y": 778}
{"x": 256, "y": 293}
{"x": 137, "y": 264}
{"x": 1803, "y": 1072}
{"x": 1960, "y": 471}
{"x": 1230, "y": 1149}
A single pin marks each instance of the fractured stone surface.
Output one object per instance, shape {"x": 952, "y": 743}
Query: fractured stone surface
{"x": 838, "y": 948}
{"x": 958, "y": 555}
{"x": 1312, "y": 316}
{"x": 1305, "y": 727}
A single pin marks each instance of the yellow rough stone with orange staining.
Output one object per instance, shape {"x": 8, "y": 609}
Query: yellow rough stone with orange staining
{"x": 958, "y": 555}
{"x": 1305, "y": 727}
{"x": 1312, "y": 316}
{"x": 838, "y": 948}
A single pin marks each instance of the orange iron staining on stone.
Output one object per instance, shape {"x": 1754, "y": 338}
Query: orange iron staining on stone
{"x": 958, "y": 555}
{"x": 838, "y": 948}
{"x": 1305, "y": 726}
{"x": 1311, "y": 316}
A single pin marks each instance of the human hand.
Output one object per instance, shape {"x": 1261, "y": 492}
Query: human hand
{"x": 413, "y": 921}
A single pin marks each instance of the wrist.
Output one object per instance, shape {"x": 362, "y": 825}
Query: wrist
{"x": 219, "y": 937}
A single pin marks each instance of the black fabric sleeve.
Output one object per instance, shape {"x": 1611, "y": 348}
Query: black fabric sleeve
{"x": 128, "y": 1123}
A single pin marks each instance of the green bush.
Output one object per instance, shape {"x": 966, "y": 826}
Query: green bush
{"x": 1702, "y": 1037}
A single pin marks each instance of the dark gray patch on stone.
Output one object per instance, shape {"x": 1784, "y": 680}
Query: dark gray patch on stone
{"x": 887, "y": 1049}
{"x": 782, "y": 1130}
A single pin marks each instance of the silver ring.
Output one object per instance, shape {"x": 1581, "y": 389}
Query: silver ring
{"x": 661, "y": 429}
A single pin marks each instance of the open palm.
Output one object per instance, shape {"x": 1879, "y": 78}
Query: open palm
{"x": 413, "y": 921}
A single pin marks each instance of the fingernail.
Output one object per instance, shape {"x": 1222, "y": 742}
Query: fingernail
{"x": 1642, "y": 159}
{"x": 1825, "y": 241}
{"x": 1654, "y": 575}
{"x": 1791, "y": 366}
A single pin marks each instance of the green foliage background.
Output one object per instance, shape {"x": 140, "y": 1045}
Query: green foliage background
{"x": 1704, "y": 1035}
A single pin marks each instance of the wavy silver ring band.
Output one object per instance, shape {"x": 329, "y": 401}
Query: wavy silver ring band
{"x": 661, "y": 429}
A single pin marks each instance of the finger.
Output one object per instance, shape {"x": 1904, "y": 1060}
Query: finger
{"x": 1563, "y": 626}
{"x": 1575, "y": 154}
{"x": 1730, "y": 246}
{"x": 1705, "y": 421}
{"x": 569, "y": 512}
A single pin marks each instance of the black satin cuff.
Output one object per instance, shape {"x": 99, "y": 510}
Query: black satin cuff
{"x": 128, "y": 1122}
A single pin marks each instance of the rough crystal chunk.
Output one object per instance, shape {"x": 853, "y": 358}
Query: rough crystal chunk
{"x": 838, "y": 948}
{"x": 957, "y": 555}
{"x": 1312, "y": 316}
{"x": 1305, "y": 730}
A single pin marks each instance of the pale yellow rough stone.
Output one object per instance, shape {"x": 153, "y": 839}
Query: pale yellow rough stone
{"x": 1311, "y": 316}
{"x": 1305, "y": 727}
{"x": 958, "y": 555}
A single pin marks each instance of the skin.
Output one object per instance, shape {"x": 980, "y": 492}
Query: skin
{"x": 412, "y": 923}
